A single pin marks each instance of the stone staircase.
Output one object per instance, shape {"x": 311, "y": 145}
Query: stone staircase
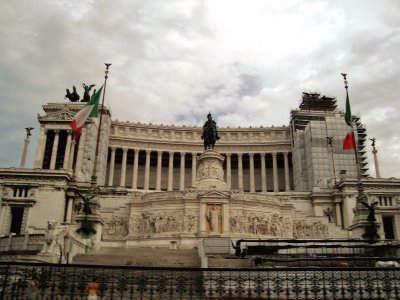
{"x": 141, "y": 257}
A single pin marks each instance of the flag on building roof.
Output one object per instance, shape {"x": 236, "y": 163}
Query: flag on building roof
{"x": 347, "y": 115}
{"x": 349, "y": 141}
{"x": 89, "y": 110}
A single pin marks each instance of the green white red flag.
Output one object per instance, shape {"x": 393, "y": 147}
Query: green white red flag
{"x": 349, "y": 142}
{"x": 89, "y": 110}
{"x": 347, "y": 114}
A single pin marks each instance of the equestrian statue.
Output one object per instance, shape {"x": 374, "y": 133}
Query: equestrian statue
{"x": 210, "y": 133}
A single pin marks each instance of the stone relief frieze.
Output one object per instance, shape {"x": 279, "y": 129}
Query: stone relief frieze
{"x": 211, "y": 169}
{"x": 116, "y": 227}
{"x": 303, "y": 230}
{"x": 162, "y": 133}
{"x": 267, "y": 224}
{"x": 58, "y": 116}
{"x": 158, "y": 222}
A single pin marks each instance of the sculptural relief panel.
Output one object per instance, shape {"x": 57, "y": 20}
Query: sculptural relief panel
{"x": 211, "y": 169}
{"x": 265, "y": 224}
{"x": 164, "y": 222}
{"x": 116, "y": 227}
{"x": 304, "y": 230}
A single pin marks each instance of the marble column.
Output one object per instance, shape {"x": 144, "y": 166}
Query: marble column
{"x": 135, "y": 169}
{"x": 40, "y": 148}
{"x": 81, "y": 148}
{"x": 263, "y": 173}
{"x": 71, "y": 156}
{"x": 123, "y": 167}
{"x": 252, "y": 184}
{"x": 194, "y": 169}
{"x": 275, "y": 171}
{"x": 338, "y": 212}
{"x": 112, "y": 165}
{"x": 70, "y": 203}
{"x": 228, "y": 171}
{"x": 67, "y": 150}
{"x": 225, "y": 220}
{"x": 376, "y": 162}
{"x": 202, "y": 219}
{"x": 240, "y": 170}
{"x": 147, "y": 170}
{"x": 3, "y": 218}
{"x": 287, "y": 177}
{"x": 159, "y": 166}
{"x": 24, "y": 152}
{"x": 182, "y": 172}
{"x": 170, "y": 171}
{"x": 54, "y": 149}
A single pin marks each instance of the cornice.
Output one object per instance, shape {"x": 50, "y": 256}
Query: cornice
{"x": 28, "y": 175}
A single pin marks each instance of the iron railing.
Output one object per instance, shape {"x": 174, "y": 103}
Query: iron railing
{"x": 68, "y": 282}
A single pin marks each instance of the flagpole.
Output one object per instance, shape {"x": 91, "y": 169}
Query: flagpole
{"x": 94, "y": 177}
{"x": 360, "y": 212}
{"x": 352, "y": 130}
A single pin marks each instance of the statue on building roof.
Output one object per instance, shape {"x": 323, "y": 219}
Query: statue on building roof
{"x": 210, "y": 133}
{"x": 73, "y": 97}
{"x": 373, "y": 141}
{"x": 86, "y": 95}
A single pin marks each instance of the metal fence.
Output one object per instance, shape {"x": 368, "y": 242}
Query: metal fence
{"x": 68, "y": 282}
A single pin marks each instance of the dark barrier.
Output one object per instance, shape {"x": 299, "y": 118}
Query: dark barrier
{"x": 69, "y": 281}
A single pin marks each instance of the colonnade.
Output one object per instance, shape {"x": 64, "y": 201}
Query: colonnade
{"x": 59, "y": 155}
{"x": 158, "y": 164}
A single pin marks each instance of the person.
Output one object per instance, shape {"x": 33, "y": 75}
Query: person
{"x": 33, "y": 288}
{"x": 92, "y": 289}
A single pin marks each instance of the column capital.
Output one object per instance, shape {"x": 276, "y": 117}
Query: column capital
{"x": 239, "y": 154}
{"x": 182, "y": 153}
{"x": 171, "y": 153}
{"x": 274, "y": 153}
{"x": 194, "y": 154}
{"x": 57, "y": 131}
{"x": 148, "y": 152}
{"x": 160, "y": 152}
{"x": 113, "y": 148}
{"x": 228, "y": 154}
{"x": 69, "y": 132}
{"x": 251, "y": 154}
{"x": 125, "y": 149}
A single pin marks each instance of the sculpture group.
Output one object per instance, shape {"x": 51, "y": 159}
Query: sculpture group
{"x": 74, "y": 96}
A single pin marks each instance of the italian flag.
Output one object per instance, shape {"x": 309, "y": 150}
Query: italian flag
{"x": 349, "y": 141}
{"x": 89, "y": 110}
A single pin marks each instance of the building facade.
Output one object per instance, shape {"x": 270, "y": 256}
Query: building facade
{"x": 157, "y": 186}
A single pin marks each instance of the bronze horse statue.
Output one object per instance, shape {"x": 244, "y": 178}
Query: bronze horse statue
{"x": 210, "y": 133}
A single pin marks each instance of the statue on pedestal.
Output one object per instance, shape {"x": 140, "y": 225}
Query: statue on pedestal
{"x": 73, "y": 97}
{"x": 213, "y": 217}
{"x": 86, "y": 95}
{"x": 210, "y": 133}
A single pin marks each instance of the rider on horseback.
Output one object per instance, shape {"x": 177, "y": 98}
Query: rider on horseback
{"x": 210, "y": 132}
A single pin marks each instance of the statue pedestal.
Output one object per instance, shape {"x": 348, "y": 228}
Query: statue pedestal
{"x": 210, "y": 172}
{"x": 95, "y": 222}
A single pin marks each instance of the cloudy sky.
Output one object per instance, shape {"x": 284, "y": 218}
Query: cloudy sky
{"x": 246, "y": 61}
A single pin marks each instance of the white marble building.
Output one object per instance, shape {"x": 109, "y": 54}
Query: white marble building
{"x": 158, "y": 187}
